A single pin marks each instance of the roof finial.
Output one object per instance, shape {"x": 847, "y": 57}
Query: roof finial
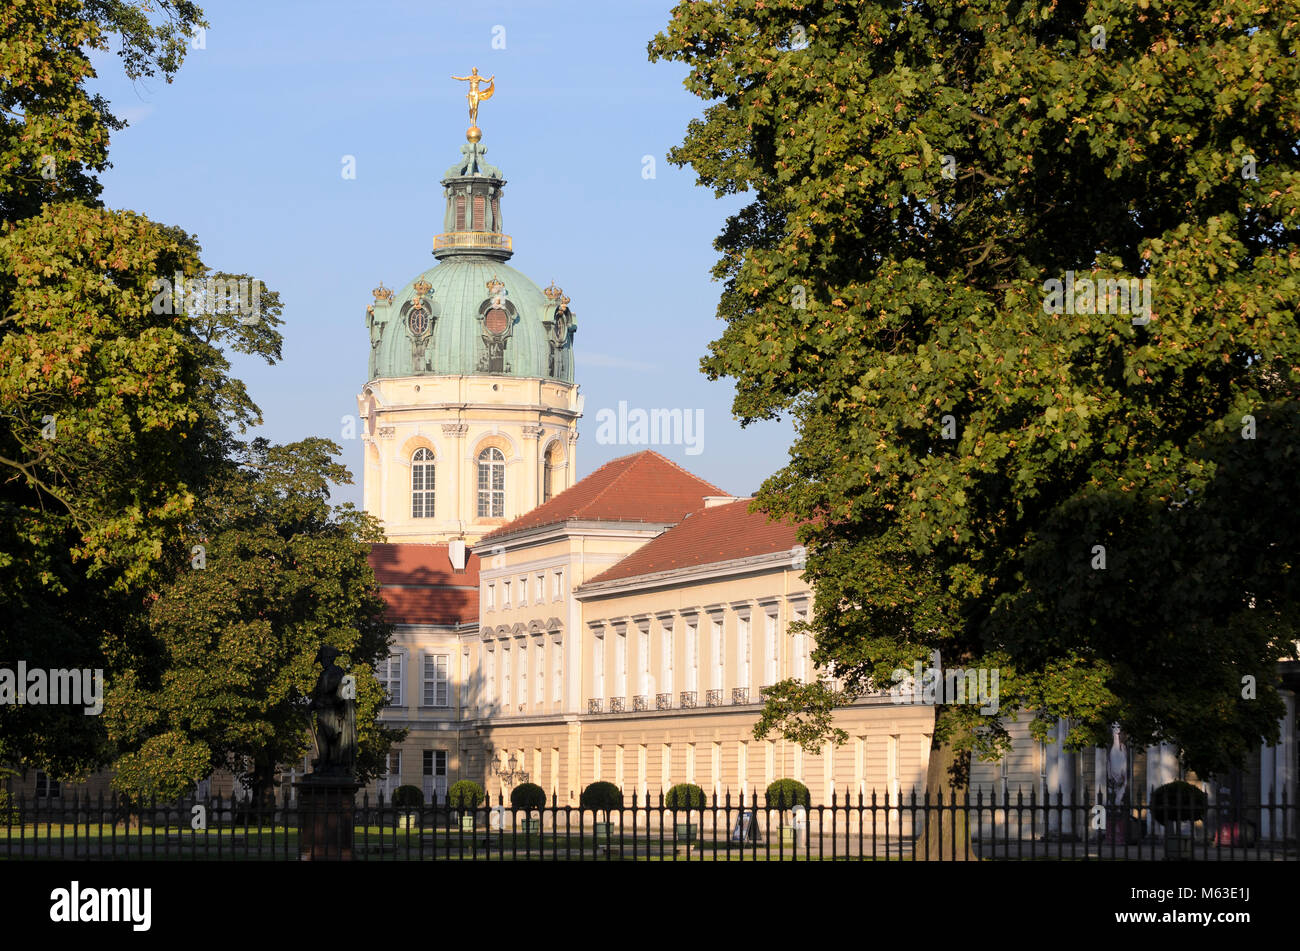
{"x": 475, "y": 96}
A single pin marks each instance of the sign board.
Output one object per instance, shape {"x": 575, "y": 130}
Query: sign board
{"x": 745, "y": 829}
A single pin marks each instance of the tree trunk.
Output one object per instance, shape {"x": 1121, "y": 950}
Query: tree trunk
{"x": 946, "y": 833}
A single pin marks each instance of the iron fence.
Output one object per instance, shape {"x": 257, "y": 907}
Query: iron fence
{"x": 724, "y": 828}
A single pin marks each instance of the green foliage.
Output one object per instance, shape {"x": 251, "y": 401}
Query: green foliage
{"x": 465, "y": 795}
{"x": 961, "y": 451}
{"x": 788, "y": 793}
{"x": 601, "y": 796}
{"x": 408, "y": 796}
{"x": 684, "y": 796}
{"x": 528, "y": 796}
{"x": 1178, "y": 801}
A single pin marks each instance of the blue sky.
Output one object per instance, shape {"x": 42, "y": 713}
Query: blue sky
{"x": 245, "y": 150}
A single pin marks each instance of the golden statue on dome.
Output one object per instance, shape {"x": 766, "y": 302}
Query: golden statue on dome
{"x": 475, "y": 96}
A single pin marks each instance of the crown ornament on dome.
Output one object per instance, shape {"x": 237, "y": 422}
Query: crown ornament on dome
{"x": 495, "y": 286}
{"x": 421, "y": 287}
{"x": 382, "y": 294}
{"x": 553, "y": 293}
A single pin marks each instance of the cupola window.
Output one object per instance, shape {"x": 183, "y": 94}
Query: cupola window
{"x": 422, "y": 484}
{"x": 491, "y": 483}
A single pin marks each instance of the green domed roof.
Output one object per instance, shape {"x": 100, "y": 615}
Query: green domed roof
{"x": 471, "y": 313}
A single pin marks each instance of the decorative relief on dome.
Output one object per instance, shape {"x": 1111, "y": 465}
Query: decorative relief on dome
{"x": 420, "y": 314}
{"x": 559, "y": 326}
{"x": 498, "y": 316}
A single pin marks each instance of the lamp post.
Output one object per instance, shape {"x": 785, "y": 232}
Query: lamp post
{"x": 509, "y": 774}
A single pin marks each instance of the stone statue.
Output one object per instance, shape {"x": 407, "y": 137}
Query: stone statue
{"x": 475, "y": 95}
{"x": 1116, "y": 767}
{"x": 336, "y": 717}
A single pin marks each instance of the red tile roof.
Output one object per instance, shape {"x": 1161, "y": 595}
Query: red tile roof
{"x": 722, "y": 533}
{"x": 420, "y": 586}
{"x": 643, "y": 487}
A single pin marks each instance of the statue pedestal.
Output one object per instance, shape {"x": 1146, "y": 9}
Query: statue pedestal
{"x": 326, "y": 814}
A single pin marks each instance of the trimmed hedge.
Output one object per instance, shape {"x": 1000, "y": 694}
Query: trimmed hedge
{"x": 602, "y": 796}
{"x": 685, "y": 796}
{"x": 788, "y": 793}
{"x": 1178, "y": 802}
{"x": 528, "y": 796}
{"x": 408, "y": 796}
{"x": 465, "y": 794}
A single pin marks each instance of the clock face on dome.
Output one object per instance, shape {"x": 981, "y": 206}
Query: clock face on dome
{"x": 418, "y": 322}
{"x": 496, "y": 320}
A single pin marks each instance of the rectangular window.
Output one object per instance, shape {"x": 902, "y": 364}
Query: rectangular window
{"x": 523, "y": 675}
{"x": 523, "y": 591}
{"x": 540, "y": 652}
{"x": 690, "y": 762}
{"x": 666, "y": 656}
{"x": 557, "y": 672}
{"x": 480, "y": 204}
{"x": 666, "y": 767}
{"x": 771, "y": 656}
{"x": 557, "y": 584}
{"x": 437, "y": 688}
{"x": 539, "y": 588}
{"x": 491, "y": 596}
{"x": 620, "y": 663}
{"x": 490, "y": 681}
{"x": 598, "y": 667}
{"x": 506, "y": 660}
{"x": 801, "y": 651}
{"x": 505, "y": 594}
{"x": 46, "y": 787}
{"x": 717, "y": 639}
{"x": 391, "y": 673}
{"x": 743, "y": 651}
{"x": 692, "y": 656}
{"x": 392, "y": 777}
{"x": 435, "y": 777}
{"x": 643, "y": 661}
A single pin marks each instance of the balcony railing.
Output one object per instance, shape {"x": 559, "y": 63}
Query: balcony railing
{"x": 663, "y": 701}
{"x": 595, "y": 706}
{"x": 740, "y": 695}
{"x": 688, "y": 699}
{"x": 713, "y": 698}
{"x": 472, "y": 239}
{"x": 616, "y": 705}
{"x": 640, "y": 703}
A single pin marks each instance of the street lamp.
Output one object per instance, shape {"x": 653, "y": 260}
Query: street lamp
{"x": 509, "y": 774}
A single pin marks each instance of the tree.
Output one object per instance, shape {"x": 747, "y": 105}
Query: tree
{"x": 99, "y": 447}
{"x": 270, "y": 572}
{"x": 1089, "y": 492}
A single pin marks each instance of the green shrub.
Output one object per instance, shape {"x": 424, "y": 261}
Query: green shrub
{"x": 1178, "y": 802}
{"x": 685, "y": 796}
{"x": 788, "y": 793}
{"x": 528, "y": 796}
{"x": 408, "y": 797}
{"x": 465, "y": 795}
{"x": 602, "y": 796}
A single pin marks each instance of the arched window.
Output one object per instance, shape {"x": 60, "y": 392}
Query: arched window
{"x": 422, "y": 484}
{"x": 548, "y": 474}
{"x": 491, "y": 484}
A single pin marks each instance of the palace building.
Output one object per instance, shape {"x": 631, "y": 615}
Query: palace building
{"x": 620, "y": 627}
